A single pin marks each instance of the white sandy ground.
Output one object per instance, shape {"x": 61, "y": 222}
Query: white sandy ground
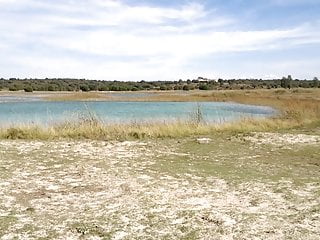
{"x": 282, "y": 139}
{"x": 100, "y": 190}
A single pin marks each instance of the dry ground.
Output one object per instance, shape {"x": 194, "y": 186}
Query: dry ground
{"x": 259, "y": 97}
{"x": 235, "y": 187}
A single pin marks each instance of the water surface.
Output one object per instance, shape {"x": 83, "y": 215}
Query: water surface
{"x": 45, "y": 112}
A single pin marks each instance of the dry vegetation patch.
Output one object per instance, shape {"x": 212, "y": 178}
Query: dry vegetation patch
{"x": 155, "y": 190}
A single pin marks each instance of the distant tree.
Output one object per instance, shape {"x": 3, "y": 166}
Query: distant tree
{"x": 50, "y": 88}
{"x": 315, "y": 82}
{"x": 283, "y": 82}
{"x": 93, "y": 87}
{"x": 28, "y": 89}
{"x": 114, "y": 88}
{"x": 16, "y": 87}
{"x": 305, "y": 84}
{"x": 13, "y": 88}
{"x": 289, "y": 81}
{"x": 104, "y": 88}
{"x": 146, "y": 86}
{"x": 84, "y": 88}
{"x": 203, "y": 87}
{"x": 163, "y": 88}
{"x": 185, "y": 88}
{"x": 169, "y": 87}
{"x": 63, "y": 84}
{"x": 177, "y": 87}
{"x": 286, "y": 82}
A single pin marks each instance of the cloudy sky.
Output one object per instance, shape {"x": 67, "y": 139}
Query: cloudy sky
{"x": 159, "y": 39}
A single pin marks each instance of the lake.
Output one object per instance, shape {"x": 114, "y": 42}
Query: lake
{"x": 46, "y": 112}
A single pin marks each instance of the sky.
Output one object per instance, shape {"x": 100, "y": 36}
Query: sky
{"x": 133, "y": 40}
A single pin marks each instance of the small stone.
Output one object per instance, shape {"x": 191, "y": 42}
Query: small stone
{"x": 203, "y": 140}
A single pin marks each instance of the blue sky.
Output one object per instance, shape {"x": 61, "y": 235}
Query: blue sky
{"x": 159, "y": 40}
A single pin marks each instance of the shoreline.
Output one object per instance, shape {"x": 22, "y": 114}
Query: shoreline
{"x": 298, "y": 108}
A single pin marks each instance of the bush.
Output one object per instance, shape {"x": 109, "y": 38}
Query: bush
{"x": 84, "y": 88}
{"x": 13, "y": 88}
{"x": 93, "y": 87}
{"x": 186, "y": 88}
{"x": 163, "y": 87}
{"x": 51, "y": 88}
{"x": 104, "y": 88}
{"x": 14, "y": 133}
{"x": 28, "y": 89}
{"x": 203, "y": 87}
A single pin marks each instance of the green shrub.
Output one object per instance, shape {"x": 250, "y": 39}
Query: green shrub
{"x": 186, "y": 88}
{"x": 84, "y": 88}
{"x": 28, "y": 89}
{"x": 203, "y": 87}
{"x": 13, "y": 88}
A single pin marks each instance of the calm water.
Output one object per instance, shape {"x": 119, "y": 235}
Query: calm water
{"x": 42, "y": 112}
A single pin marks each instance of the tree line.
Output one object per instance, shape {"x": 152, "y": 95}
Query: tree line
{"x": 68, "y": 84}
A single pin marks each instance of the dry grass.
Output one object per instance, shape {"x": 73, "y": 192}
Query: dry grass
{"x": 78, "y": 96}
{"x": 298, "y": 108}
{"x": 160, "y": 189}
{"x": 87, "y": 130}
{"x": 91, "y": 130}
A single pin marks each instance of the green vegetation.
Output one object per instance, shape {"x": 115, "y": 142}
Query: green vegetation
{"x": 64, "y": 84}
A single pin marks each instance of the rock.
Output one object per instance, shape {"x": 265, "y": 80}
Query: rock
{"x": 203, "y": 140}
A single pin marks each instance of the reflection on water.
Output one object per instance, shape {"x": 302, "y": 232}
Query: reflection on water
{"x": 42, "y": 112}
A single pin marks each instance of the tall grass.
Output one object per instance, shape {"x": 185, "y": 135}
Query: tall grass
{"x": 97, "y": 130}
{"x": 298, "y": 109}
{"x": 196, "y": 117}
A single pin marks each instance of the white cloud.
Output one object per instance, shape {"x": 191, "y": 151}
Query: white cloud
{"x": 7, "y": 1}
{"x": 45, "y": 38}
{"x": 293, "y": 2}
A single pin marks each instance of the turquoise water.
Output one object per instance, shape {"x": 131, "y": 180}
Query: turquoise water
{"x": 43, "y": 112}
